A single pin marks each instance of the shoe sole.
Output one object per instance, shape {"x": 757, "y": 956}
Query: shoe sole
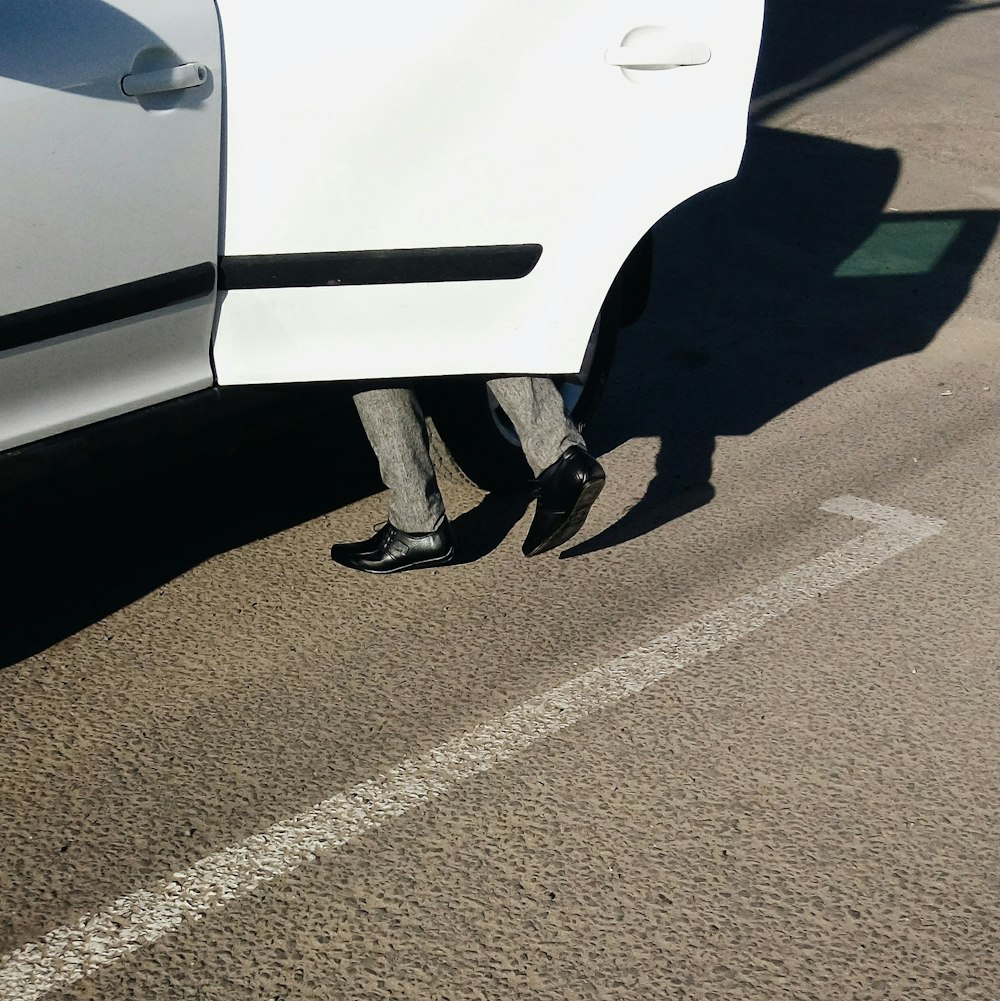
{"x": 577, "y": 516}
{"x": 435, "y": 561}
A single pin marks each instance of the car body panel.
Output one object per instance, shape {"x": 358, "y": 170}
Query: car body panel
{"x": 99, "y": 192}
{"x": 390, "y": 125}
{"x": 435, "y": 189}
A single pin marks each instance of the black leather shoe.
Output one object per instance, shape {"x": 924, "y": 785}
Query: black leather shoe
{"x": 566, "y": 492}
{"x": 363, "y": 548}
{"x": 390, "y": 550}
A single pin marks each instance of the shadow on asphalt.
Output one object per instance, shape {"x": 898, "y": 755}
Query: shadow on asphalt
{"x": 765, "y": 291}
{"x": 74, "y": 556}
{"x": 809, "y": 46}
{"x": 479, "y": 531}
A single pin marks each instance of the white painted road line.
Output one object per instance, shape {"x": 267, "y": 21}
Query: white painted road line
{"x": 70, "y": 953}
{"x": 848, "y": 62}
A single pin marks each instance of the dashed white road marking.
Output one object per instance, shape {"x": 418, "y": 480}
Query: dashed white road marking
{"x": 72, "y": 952}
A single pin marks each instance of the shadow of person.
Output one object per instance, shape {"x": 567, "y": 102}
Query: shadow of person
{"x": 766, "y": 291}
{"x": 480, "y": 530}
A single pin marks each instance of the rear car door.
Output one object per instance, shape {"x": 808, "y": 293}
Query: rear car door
{"x": 109, "y": 207}
{"x": 445, "y": 187}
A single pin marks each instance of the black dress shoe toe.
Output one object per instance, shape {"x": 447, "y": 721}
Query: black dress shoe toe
{"x": 391, "y": 550}
{"x": 363, "y": 548}
{"x": 566, "y": 492}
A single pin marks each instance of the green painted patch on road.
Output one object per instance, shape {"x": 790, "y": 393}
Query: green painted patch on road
{"x": 902, "y": 247}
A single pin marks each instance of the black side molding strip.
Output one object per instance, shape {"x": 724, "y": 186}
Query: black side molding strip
{"x": 379, "y": 267}
{"x": 106, "y": 306}
{"x": 349, "y": 267}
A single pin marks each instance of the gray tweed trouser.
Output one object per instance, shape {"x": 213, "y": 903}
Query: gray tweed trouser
{"x": 394, "y": 423}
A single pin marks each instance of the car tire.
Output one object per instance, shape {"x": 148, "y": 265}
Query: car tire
{"x": 472, "y": 438}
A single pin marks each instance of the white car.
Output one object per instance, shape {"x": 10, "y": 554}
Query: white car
{"x": 205, "y": 193}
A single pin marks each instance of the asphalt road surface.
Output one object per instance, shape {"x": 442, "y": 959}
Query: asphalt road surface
{"x": 738, "y": 741}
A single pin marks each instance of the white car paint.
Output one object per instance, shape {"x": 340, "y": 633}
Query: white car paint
{"x": 391, "y": 124}
{"x": 98, "y": 190}
{"x": 347, "y": 127}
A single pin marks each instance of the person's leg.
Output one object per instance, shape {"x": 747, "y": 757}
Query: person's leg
{"x": 394, "y": 423}
{"x": 417, "y": 533}
{"x": 536, "y": 410}
{"x": 569, "y": 478}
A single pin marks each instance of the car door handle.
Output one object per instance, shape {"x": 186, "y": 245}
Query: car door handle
{"x": 656, "y": 56}
{"x": 159, "y": 81}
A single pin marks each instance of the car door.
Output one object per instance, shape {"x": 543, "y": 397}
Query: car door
{"x": 441, "y": 187}
{"x": 109, "y": 207}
